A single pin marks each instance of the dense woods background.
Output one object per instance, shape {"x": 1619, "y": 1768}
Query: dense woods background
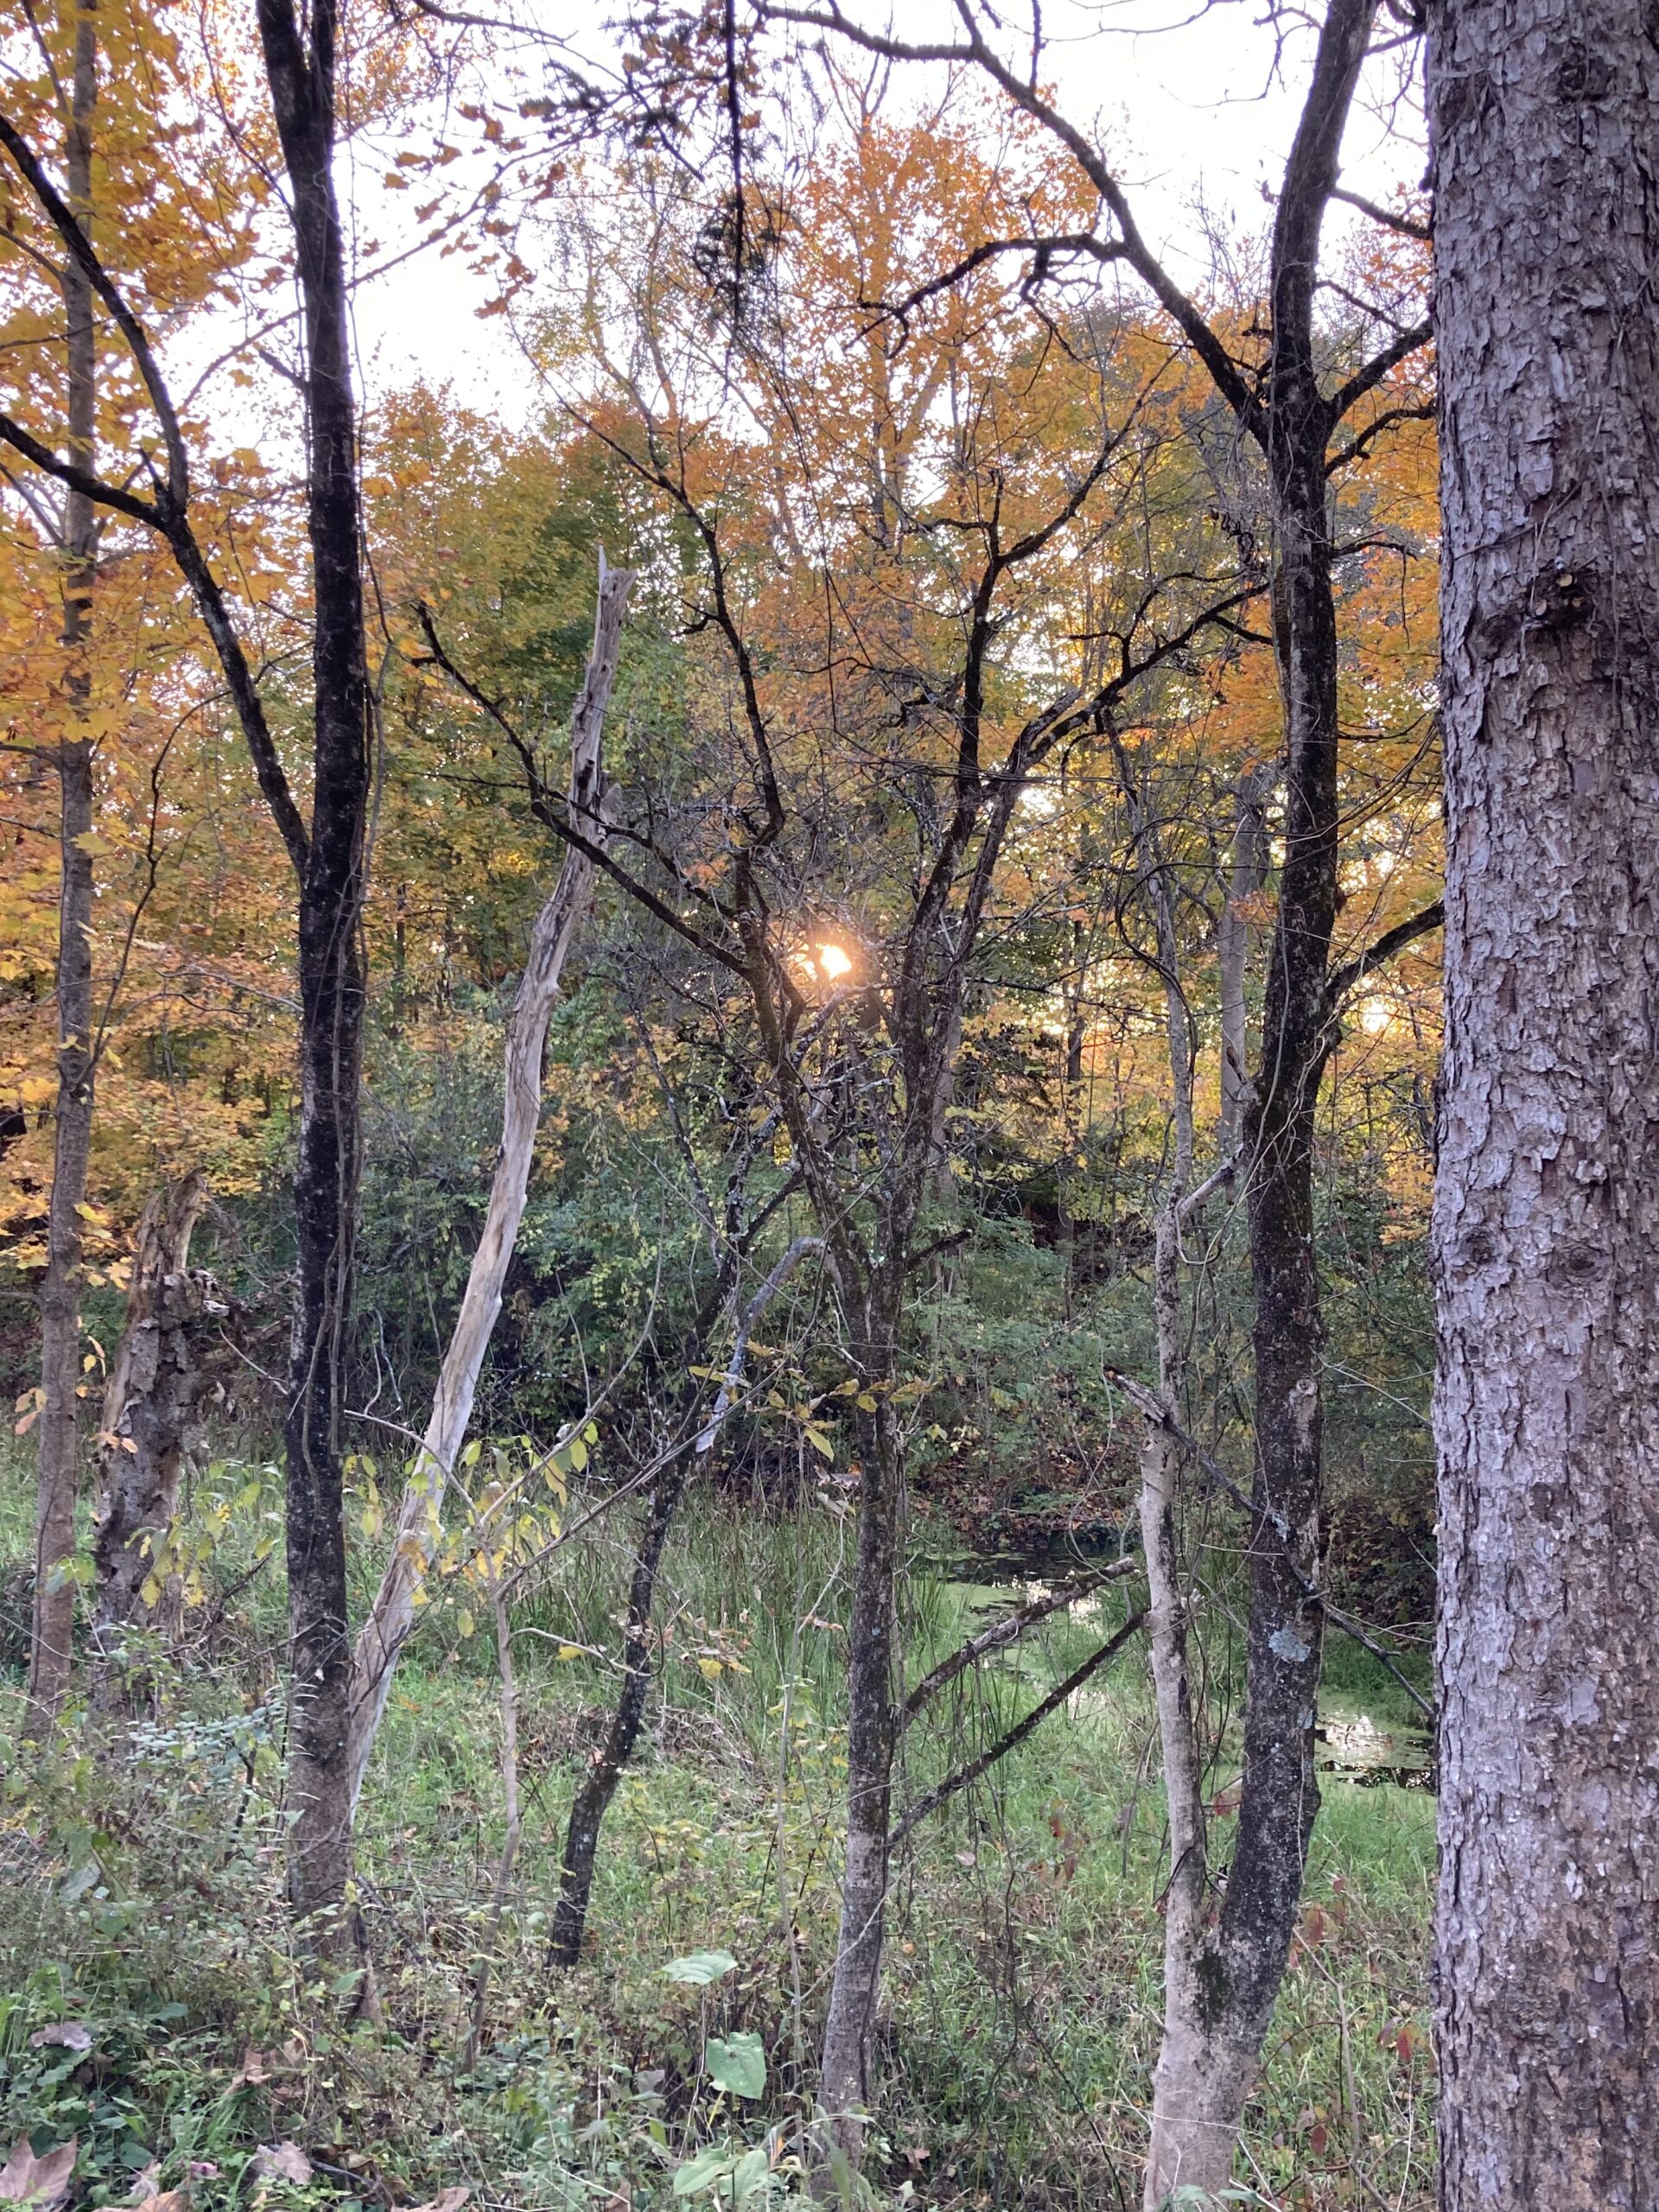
{"x": 717, "y": 1119}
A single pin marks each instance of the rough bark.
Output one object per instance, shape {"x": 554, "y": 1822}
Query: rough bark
{"x": 1547, "y": 1208}
{"x": 420, "y": 1518}
{"x": 59, "y": 1464}
{"x": 300, "y": 68}
{"x": 154, "y": 1381}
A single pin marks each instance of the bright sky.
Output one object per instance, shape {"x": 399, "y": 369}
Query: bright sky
{"x": 1205, "y": 103}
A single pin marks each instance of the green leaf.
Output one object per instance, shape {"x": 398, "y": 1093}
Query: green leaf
{"x": 750, "y": 2174}
{"x": 700, "y": 1967}
{"x": 737, "y": 2063}
{"x": 705, "y": 2172}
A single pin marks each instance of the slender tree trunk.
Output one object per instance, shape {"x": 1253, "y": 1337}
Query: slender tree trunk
{"x": 1219, "y": 2005}
{"x": 420, "y": 1518}
{"x": 599, "y": 1785}
{"x": 512, "y": 1829}
{"x": 1547, "y": 1207}
{"x": 59, "y": 1476}
{"x": 300, "y": 67}
{"x": 845, "y": 2085}
{"x": 154, "y": 1381}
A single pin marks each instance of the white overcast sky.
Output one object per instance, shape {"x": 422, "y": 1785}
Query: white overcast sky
{"x": 1198, "y": 100}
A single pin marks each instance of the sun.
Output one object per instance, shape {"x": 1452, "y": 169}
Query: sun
{"x": 833, "y": 962}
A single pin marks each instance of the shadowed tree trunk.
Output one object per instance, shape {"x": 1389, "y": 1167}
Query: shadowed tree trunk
{"x": 1544, "y": 120}
{"x": 300, "y": 62}
{"x": 154, "y": 1381}
{"x": 59, "y": 1476}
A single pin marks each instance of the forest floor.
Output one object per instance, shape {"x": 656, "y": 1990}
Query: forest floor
{"x": 141, "y": 1901}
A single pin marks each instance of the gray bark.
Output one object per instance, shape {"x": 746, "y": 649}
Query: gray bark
{"x": 58, "y": 1479}
{"x": 1546, "y": 1209}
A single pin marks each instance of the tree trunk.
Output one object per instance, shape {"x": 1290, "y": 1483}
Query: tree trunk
{"x": 1547, "y": 1207}
{"x": 301, "y": 71}
{"x": 844, "y": 2079}
{"x": 59, "y": 1464}
{"x": 420, "y": 1519}
{"x": 599, "y": 1785}
{"x": 1218, "y": 2004}
{"x": 154, "y": 1381}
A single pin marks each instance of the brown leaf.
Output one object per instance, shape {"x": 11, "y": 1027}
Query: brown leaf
{"x": 71, "y": 2034}
{"x": 42, "y": 2183}
{"x": 447, "y": 2200}
{"x": 164, "y": 2200}
{"x": 281, "y": 2162}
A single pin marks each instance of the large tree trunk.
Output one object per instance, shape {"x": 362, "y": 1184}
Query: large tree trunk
{"x": 58, "y": 1463}
{"x": 300, "y": 67}
{"x": 154, "y": 1381}
{"x": 1219, "y": 2000}
{"x": 420, "y": 1518}
{"x": 1546, "y": 1211}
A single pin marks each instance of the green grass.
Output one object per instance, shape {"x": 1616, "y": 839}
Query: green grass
{"x": 1022, "y": 1992}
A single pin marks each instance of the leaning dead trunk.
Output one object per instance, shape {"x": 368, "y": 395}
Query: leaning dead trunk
{"x": 58, "y": 1466}
{"x": 156, "y": 1380}
{"x": 420, "y": 1518}
{"x": 1547, "y": 1207}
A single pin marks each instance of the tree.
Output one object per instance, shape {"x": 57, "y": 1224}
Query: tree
{"x": 1545, "y": 1222}
{"x": 893, "y": 569}
{"x": 58, "y": 1480}
{"x": 300, "y": 60}
{"x": 1290, "y": 406}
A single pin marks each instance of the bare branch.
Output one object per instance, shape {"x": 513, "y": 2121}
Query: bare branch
{"x": 932, "y": 1799}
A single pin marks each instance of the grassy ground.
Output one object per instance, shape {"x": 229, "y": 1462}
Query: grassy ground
{"x": 141, "y": 1893}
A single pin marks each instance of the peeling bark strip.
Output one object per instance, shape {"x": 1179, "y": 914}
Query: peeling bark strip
{"x": 419, "y": 1520}
{"x": 58, "y": 1478}
{"x": 1545, "y": 118}
{"x": 156, "y": 1379}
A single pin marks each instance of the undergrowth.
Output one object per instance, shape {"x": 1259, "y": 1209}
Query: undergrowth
{"x": 140, "y": 1899}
